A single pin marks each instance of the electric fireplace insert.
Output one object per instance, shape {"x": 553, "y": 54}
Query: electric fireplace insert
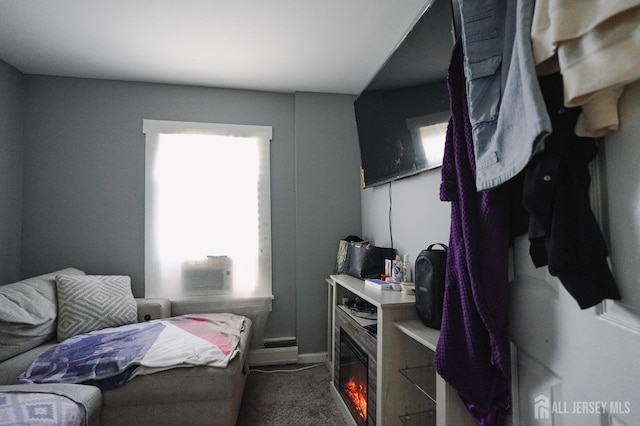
{"x": 354, "y": 367}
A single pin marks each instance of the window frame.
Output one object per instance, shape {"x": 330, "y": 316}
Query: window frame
{"x": 152, "y": 129}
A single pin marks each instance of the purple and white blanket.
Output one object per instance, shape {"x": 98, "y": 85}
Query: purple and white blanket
{"x": 40, "y": 408}
{"x": 110, "y": 357}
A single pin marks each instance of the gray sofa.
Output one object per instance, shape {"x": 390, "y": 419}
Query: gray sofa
{"x": 180, "y": 396}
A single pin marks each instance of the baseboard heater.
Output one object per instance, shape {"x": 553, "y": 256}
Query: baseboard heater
{"x": 276, "y": 351}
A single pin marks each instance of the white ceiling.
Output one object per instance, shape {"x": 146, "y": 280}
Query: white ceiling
{"x": 331, "y": 46}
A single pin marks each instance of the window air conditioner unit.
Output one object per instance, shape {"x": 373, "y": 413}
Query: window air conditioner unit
{"x": 207, "y": 277}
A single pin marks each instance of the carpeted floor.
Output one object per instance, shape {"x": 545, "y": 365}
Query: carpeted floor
{"x": 300, "y": 396}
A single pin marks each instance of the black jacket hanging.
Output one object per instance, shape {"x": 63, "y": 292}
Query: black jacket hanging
{"x": 563, "y": 231}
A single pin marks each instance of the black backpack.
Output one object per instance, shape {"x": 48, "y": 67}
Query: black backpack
{"x": 430, "y": 270}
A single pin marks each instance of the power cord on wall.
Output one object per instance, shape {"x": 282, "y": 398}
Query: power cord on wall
{"x": 390, "y": 209}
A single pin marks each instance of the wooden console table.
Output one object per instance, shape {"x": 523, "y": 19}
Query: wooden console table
{"x": 408, "y": 389}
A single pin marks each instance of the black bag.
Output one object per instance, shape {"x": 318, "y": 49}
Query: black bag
{"x": 367, "y": 260}
{"x": 430, "y": 269}
{"x": 342, "y": 258}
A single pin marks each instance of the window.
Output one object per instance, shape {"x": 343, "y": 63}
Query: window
{"x": 433, "y": 137}
{"x": 207, "y": 210}
{"x": 430, "y": 131}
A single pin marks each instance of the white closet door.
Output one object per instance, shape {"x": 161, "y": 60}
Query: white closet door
{"x": 582, "y": 367}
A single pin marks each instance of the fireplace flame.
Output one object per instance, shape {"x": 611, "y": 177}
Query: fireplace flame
{"x": 357, "y": 393}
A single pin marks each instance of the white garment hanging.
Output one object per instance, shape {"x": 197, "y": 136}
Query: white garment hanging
{"x": 595, "y": 44}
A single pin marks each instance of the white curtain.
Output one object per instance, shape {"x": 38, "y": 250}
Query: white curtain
{"x": 207, "y": 210}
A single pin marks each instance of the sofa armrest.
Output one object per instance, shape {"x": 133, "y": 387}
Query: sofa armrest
{"x": 153, "y": 308}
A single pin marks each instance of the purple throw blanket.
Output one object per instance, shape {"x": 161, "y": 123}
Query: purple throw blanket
{"x": 473, "y": 350}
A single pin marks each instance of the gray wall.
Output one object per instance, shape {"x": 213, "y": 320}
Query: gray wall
{"x": 84, "y": 180}
{"x": 11, "y": 113}
{"x": 327, "y": 207}
{"x": 418, "y": 217}
{"x": 84, "y": 184}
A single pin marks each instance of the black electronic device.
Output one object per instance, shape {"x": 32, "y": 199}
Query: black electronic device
{"x": 430, "y": 275}
{"x": 407, "y": 100}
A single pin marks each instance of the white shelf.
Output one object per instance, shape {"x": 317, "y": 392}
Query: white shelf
{"x": 403, "y": 342}
{"x": 376, "y": 297}
{"x": 419, "y": 332}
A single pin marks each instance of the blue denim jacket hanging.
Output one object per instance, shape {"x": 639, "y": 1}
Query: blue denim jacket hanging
{"x": 506, "y": 108}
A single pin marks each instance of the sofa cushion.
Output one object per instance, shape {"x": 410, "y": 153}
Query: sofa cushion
{"x": 93, "y": 302}
{"x": 89, "y": 397}
{"x": 184, "y": 384}
{"x": 11, "y": 369}
{"x": 28, "y": 313}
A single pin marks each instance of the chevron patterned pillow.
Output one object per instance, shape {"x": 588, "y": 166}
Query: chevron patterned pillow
{"x": 93, "y": 302}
